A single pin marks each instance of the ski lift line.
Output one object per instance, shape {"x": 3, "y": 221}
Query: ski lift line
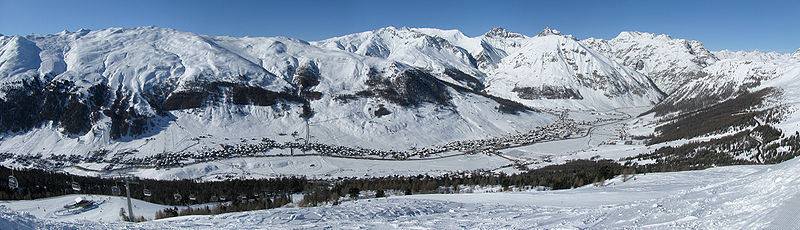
{"x": 128, "y": 182}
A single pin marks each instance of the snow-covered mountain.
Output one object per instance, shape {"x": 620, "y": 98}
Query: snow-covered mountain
{"x": 146, "y": 91}
{"x": 414, "y": 48}
{"x": 729, "y": 77}
{"x": 135, "y": 89}
{"x": 157, "y": 95}
{"x": 691, "y": 75}
{"x": 556, "y": 69}
{"x": 549, "y": 70}
{"x": 669, "y": 62}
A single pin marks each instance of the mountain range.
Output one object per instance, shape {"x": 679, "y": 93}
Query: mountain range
{"x": 151, "y": 90}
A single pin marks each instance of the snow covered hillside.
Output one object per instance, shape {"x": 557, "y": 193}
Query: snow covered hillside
{"x": 405, "y": 102}
{"x": 669, "y": 62}
{"x": 738, "y": 197}
{"x": 121, "y": 94}
{"x": 148, "y": 90}
{"x": 169, "y": 104}
{"x": 549, "y": 70}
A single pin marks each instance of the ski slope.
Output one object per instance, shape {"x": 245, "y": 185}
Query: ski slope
{"x": 732, "y": 197}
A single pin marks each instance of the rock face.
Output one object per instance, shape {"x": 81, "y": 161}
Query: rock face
{"x": 547, "y": 32}
{"x": 668, "y": 62}
{"x": 499, "y": 32}
{"x": 410, "y": 87}
{"x": 307, "y": 75}
{"x": 546, "y": 92}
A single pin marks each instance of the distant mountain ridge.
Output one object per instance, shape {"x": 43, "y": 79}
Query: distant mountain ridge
{"x": 125, "y": 87}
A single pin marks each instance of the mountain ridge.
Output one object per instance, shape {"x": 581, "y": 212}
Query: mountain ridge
{"x": 117, "y": 90}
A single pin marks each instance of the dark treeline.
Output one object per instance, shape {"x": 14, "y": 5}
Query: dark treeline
{"x": 34, "y": 184}
{"x": 569, "y": 175}
{"x": 228, "y": 190}
{"x": 236, "y": 205}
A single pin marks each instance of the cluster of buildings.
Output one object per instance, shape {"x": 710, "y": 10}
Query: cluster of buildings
{"x": 561, "y": 129}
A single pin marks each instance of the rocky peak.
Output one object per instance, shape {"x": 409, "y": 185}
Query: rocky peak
{"x": 499, "y": 32}
{"x": 548, "y": 31}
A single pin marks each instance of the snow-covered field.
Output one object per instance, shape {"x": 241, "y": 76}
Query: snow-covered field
{"x": 733, "y": 197}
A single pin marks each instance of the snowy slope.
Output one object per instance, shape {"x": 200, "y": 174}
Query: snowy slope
{"x": 579, "y": 77}
{"x": 737, "y": 197}
{"x": 690, "y": 74}
{"x": 550, "y": 70}
{"x": 668, "y": 61}
{"x": 106, "y": 211}
{"x": 414, "y": 48}
{"x": 146, "y": 88}
{"x": 171, "y": 91}
{"x": 730, "y": 76}
{"x": 131, "y": 93}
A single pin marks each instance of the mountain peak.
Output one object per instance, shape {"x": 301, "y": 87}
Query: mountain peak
{"x": 548, "y": 31}
{"x": 502, "y": 33}
{"x": 637, "y": 34}
{"x": 392, "y": 28}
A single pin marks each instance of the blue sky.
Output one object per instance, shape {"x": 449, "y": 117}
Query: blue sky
{"x": 736, "y": 25}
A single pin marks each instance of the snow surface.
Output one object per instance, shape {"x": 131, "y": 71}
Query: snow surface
{"x": 731, "y": 197}
{"x": 615, "y": 81}
{"x": 138, "y": 60}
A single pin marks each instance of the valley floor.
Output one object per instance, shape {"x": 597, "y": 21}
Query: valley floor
{"x": 593, "y": 142}
{"x": 732, "y": 197}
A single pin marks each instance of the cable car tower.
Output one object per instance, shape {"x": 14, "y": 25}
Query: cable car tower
{"x": 308, "y": 134}
{"x": 128, "y": 180}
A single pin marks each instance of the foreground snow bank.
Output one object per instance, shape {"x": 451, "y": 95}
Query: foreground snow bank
{"x": 20, "y": 221}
